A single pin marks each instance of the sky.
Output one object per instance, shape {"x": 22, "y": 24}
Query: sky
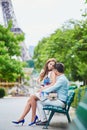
{"x": 40, "y": 18}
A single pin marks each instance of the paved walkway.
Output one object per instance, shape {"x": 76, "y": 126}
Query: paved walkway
{"x": 11, "y": 108}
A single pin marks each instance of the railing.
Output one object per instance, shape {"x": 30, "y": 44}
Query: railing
{"x": 8, "y": 84}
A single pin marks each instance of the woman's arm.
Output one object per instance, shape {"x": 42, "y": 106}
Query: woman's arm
{"x": 38, "y": 79}
{"x": 52, "y": 78}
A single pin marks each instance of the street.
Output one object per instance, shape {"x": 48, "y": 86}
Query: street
{"x": 12, "y": 107}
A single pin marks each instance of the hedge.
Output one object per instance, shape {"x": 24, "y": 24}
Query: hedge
{"x": 2, "y": 92}
{"x": 79, "y": 94}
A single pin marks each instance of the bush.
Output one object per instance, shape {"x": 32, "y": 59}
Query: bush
{"x": 79, "y": 94}
{"x": 2, "y": 92}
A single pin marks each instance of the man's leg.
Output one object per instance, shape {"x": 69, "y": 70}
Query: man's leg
{"x": 54, "y": 103}
{"x": 41, "y": 112}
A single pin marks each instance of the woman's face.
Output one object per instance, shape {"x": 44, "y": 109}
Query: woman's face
{"x": 51, "y": 65}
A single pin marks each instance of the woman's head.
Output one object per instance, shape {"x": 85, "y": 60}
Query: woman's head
{"x": 49, "y": 66}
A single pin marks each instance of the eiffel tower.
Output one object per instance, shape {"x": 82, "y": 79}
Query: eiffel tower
{"x": 8, "y": 14}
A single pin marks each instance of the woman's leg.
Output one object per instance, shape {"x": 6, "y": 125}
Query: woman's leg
{"x": 26, "y": 109}
{"x": 30, "y": 103}
{"x": 33, "y": 106}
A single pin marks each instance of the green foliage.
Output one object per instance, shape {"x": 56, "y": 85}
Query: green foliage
{"x": 10, "y": 50}
{"x": 68, "y": 45}
{"x": 79, "y": 94}
{"x": 2, "y": 92}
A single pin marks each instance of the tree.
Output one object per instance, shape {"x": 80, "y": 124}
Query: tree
{"x": 10, "y": 67}
{"x": 68, "y": 45}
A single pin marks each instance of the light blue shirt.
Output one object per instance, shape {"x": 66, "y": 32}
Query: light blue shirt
{"x": 60, "y": 87}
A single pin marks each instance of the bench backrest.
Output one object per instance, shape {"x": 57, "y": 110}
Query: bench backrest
{"x": 80, "y": 120}
{"x": 70, "y": 100}
{"x": 81, "y": 111}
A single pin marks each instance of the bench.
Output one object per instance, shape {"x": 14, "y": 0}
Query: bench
{"x": 54, "y": 109}
{"x": 80, "y": 120}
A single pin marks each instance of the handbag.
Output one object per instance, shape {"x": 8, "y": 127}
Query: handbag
{"x": 52, "y": 96}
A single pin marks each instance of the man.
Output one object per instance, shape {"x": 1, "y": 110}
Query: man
{"x": 60, "y": 87}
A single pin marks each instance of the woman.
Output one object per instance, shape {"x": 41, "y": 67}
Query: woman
{"x": 32, "y": 102}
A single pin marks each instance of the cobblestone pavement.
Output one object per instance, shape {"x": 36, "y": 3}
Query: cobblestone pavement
{"x": 11, "y": 108}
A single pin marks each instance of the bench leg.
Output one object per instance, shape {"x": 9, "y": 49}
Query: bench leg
{"x": 68, "y": 117}
{"x": 50, "y": 117}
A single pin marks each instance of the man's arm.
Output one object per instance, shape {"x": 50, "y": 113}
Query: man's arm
{"x": 54, "y": 87}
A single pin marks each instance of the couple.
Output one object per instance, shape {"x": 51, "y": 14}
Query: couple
{"x": 58, "y": 83}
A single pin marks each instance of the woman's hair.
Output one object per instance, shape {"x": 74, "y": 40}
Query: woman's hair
{"x": 45, "y": 69}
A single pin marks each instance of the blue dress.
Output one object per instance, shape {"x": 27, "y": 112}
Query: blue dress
{"x": 46, "y": 81}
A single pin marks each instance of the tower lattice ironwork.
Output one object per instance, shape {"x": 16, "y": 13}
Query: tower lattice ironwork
{"x": 8, "y": 14}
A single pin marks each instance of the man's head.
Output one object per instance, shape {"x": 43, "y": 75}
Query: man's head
{"x": 59, "y": 68}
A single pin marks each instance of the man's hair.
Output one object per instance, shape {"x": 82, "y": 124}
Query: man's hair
{"x": 60, "y": 67}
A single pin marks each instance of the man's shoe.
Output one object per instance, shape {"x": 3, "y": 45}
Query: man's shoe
{"x": 41, "y": 123}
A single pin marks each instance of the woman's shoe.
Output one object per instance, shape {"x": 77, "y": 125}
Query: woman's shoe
{"x": 18, "y": 122}
{"x": 34, "y": 122}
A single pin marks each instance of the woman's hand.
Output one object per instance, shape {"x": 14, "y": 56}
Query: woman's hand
{"x": 41, "y": 89}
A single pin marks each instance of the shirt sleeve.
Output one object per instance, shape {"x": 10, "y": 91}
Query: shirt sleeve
{"x": 54, "y": 87}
